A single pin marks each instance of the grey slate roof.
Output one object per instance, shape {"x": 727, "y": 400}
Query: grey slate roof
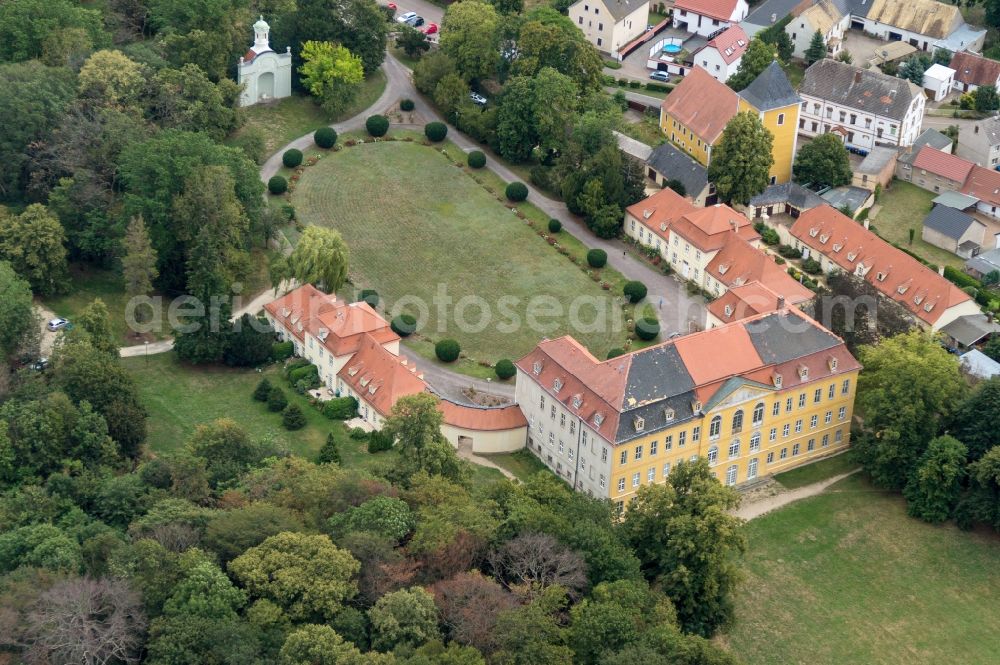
{"x": 674, "y": 164}
{"x": 876, "y": 160}
{"x": 796, "y": 195}
{"x": 779, "y": 338}
{"x": 770, "y": 90}
{"x": 956, "y": 200}
{"x": 657, "y": 379}
{"x": 948, "y": 221}
{"x": 989, "y": 130}
{"x": 931, "y": 137}
{"x": 969, "y": 329}
{"x": 619, "y": 8}
{"x": 866, "y": 90}
{"x": 985, "y": 263}
{"x": 852, "y": 197}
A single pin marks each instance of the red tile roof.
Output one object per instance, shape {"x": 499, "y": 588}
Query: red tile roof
{"x": 984, "y": 184}
{"x": 975, "y": 69}
{"x": 660, "y": 210}
{"x": 702, "y": 104}
{"x": 718, "y": 9}
{"x": 738, "y": 263}
{"x": 894, "y": 273}
{"x": 338, "y": 325}
{"x": 731, "y": 44}
{"x": 710, "y": 228}
{"x": 943, "y": 164}
{"x": 718, "y": 353}
{"x": 379, "y": 376}
{"x": 743, "y": 301}
{"x": 482, "y": 419}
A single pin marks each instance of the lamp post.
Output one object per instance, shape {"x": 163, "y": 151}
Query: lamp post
{"x": 488, "y": 379}
{"x": 145, "y": 346}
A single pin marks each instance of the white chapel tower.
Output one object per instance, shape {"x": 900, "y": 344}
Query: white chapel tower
{"x": 263, "y": 73}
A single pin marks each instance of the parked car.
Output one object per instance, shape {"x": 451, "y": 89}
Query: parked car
{"x": 40, "y": 365}
{"x": 392, "y": 6}
{"x": 477, "y": 98}
{"x": 659, "y": 76}
{"x": 57, "y": 324}
{"x": 430, "y": 29}
{"x": 406, "y": 18}
{"x": 415, "y": 22}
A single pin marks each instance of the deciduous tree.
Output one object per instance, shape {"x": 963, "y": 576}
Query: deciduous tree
{"x": 406, "y": 617}
{"x": 111, "y": 78}
{"x": 331, "y": 73}
{"x": 742, "y": 160}
{"x": 755, "y": 60}
{"x": 470, "y": 37}
{"x": 936, "y": 482}
{"x": 969, "y": 426}
{"x": 823, "y": 162}
{"x": 413, "y": 42}
{"x": 35, "y": 245}
{"x": 320, "y": 258}
{"x": 18, "y": 320}
{"x": 138, "y": 264}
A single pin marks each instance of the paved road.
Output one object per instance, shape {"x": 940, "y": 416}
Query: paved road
{"x": 940, "y": 123}
{"x": 631, "y": 146}
{"x": 633, "y": 96}
{"x": 431, "y": 12}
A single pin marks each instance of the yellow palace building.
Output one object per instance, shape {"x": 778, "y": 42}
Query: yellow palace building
{"x": 695, "y": 113}
{"x": 753, "y": 397}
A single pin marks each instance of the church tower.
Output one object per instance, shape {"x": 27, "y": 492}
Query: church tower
{"x": 264, "y": 74}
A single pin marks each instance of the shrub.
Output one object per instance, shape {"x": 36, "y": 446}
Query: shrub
{"x": 960, "y": 279}
{"x": 436, "y": 131}
{"x": 657, "y": 87}
{"x": 369, "y": 296}
{"x": 282, "y": 350}
{"x": 325, "y": 137}
{"x": 330, "y": 452}
{"x": 504, "y": 369}
{"x": 789, "y": 252}
{"x": 476, "y": 159}
{"x": 358, "y": 434}
{"x": 635, "y": 84}
{"x": 293, "y": 418}
{"x": 447, "y": 350}
{"x": 635, "y": 291}
{"x": 647, "y": 328}
{"x": 377, "y": 125}
{"x": 406, "y": 105}
{"x": 305, "y": 373}
{"x": 340, "y": 408}
{"x": 615, "y": 352}
{"x": 555, "y": 226}
{"x": 516, "y": 191}
{"x": 597, "y": 258}
{"x": 276, "y": 400}
{"x": 812, "y": 266}
{"x": 292, "y": 158}
{"x": 403, "y": 325}
{"x": 277, "y": 185}
{"x": 294, "y": 363}
{"x": 263, "y": 390}
{"x": 379, "y": 442}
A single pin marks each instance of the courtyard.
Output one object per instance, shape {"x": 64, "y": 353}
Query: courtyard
{"x": 422, "y": 233}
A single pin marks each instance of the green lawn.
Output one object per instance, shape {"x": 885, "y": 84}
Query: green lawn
{"x": 904, "y": 206}
{"x": 521, "y": 463}
{"x": 817, "y": 471}
{"x": 416, "y": 224}
{"x": 292, "y": 117}
{"x": 646, "y": 130}
{"x": 88, "y": 283}
{"x": 847, "y": 577}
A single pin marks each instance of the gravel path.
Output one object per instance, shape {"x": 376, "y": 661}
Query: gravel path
{"x": 754, "y": 509}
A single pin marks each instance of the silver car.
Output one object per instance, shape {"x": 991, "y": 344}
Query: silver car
{"x": 57, "y": 324}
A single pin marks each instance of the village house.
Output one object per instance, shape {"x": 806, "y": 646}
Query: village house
{"x": 864, "y": 107}
{"x": 877, "y": 168}
{"x": 981, "y": 145}
{"x": 842, "y": 245}
{"x": 954, "y": 231}
{"x": 752, "y": 397}
{"x": 938, "y": 81}
{"x": 708, "y": 17}
{"x": 787, "y": 198}
{"x": 935, "y": 171}
{"x": 722, "y": 55}
{"x": 974, "y": 71}
{"x": 609, "y": 25}
{"x": 667, "y": 163}
{"x": 984, "y": 185}
{"x": 824, "y": 17}
{"x": 742, "y": 302}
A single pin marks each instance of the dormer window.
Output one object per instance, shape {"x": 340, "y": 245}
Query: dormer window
{"x": 537, "y": 367}
{"x": 577, "y": 401}
{"x": 823, "y": 238}
{"x": 724, "y": 268}
{"x": 881, "y": 276}
{"x": 351, "y": 371}
{"x": 803, "y": 372}
{"x": 777, "y": 380}
{"x": 663, "y": 226}
{"x": 364, "y": 381}
{"x": 647, "y": 213}
{"x": 372, "y": 388}
{"x": 918, "y": 299}
{"x": 832, "y": 363}
{"x": 557, "y": 385}
{"x": 902, "y": 289}
{"x": 729, "y": 310}
{"x": 669, "y": 414}
{"x": 928, "y": 307}
{"x": 813, "y": 232}
{"x": 851, "y": 256}
{"x": 837, "y": 246}
{"x": 598, "y": 419}
{"x": 696, "y": 406}
{"x": 639, "y": 423}
{"x": 285, "y": 312}
{"x": 860, "y": 270}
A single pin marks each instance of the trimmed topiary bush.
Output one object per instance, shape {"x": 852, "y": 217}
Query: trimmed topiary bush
{"x": 647, "y": 329}
{"x": 406, "y": 105}
{"x": 292, "y": 158}
{"x": 358, "y": 434}
{"x": 504, "y": 369}
{"x": 282, "y": 350}
{"x": 379, "y": 442}
{"x": 447, "y": 350}
{"x": 516, "y": 191}
{"x": 476, "y": 159}
{"x": 325, "y": 137}
{"x": 369, "y": 296}
{"x": 263, "y": 390}
{"x": 615, "y": 352}
{"x": 634, "y": 291}
{"x": 340, "y": 408}
{"x": 436, "y": 131}
{"x": 403, "y": 325}
{"x": 812, "y": 266}
{"x": 276, "y": 400}
{"x": 597, "y": 258}
{"x": 277, "y": 185}
{"x": 377, "y": 125}
{"x": 293, "y": 418}
{"x": 555, "y": 226}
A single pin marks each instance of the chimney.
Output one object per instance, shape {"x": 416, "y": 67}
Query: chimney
{"x": 857, "y": 76}
{"x": 941, "y": 270}
{"x": 781, "y": 302}
{"x": 867, "y": 224}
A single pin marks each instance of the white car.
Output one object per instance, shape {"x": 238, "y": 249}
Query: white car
{"x": 57, "y": 324}
{"x": 406, "y": 18}
{"x": 477, "y": 98}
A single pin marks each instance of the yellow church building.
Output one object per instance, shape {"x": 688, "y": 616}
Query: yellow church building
{"x": 695, "y": 113}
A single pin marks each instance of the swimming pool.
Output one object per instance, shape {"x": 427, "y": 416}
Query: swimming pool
{"x": 672, "y": 48}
